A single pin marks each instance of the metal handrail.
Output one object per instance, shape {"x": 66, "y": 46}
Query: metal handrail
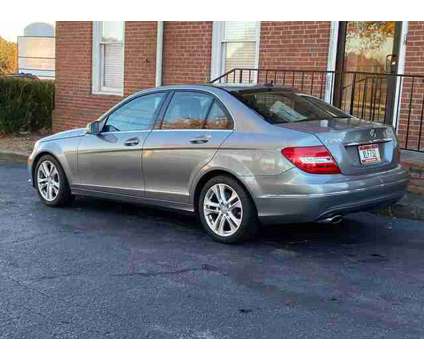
{"x": 396, "y": 99}
{"x": 284, "y": 70}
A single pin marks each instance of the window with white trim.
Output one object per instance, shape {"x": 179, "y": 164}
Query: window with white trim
{"x": 108, "y": 57}
{"x": 235, "y": 45}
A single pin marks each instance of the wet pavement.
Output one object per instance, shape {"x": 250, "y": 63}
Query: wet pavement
{"x": 103, "y": 269}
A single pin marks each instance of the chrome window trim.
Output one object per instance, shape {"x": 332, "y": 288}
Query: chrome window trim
{"x": 162, "y": 130}
{"x": 125, "y": 132}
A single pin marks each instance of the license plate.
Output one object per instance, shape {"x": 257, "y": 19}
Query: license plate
{"x": 369, "y": 154}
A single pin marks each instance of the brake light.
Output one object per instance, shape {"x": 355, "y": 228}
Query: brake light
{"x": 312, "y": 159}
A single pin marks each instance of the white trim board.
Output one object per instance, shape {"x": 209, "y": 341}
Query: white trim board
{"x": 331, "y": 60}
{"x": 159, "y": 52}
{"x": 401, "y": 70}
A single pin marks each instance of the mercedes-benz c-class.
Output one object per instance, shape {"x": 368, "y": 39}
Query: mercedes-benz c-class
{"x": 235, "y": 156}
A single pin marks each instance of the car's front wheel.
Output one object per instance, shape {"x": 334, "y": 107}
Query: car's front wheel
{"x": 226, "y": 210}
{"x": 51, "y": 183}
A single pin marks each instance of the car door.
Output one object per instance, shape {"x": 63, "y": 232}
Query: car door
{"x": 191, "y": 129}
{"x": 110, "y": 162}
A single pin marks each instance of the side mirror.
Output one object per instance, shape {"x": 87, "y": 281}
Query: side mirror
{"x": 93, "y": 128}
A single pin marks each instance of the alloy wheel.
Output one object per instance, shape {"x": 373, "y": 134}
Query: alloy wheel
{"x": 48, "y": 180}
{"x": 222, "y": 209}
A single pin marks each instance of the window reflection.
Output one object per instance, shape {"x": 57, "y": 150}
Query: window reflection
{"x": 187, "y": 110}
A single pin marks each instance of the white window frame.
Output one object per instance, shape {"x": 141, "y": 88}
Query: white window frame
{"x": 217, "y": 60}
{"x": 97, "y": 88}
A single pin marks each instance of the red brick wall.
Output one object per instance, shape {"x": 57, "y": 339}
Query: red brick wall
{"x": 294, "y": 44}
{"x": 414, "y": 64}
{"x": 140, "y": 55}
{"x": 74, "y": 104}
{"x": 414, "y": 60}
{"x": 187, "y": 52}
{"x": 187, "y": 56}
{"x": 186, "y": 59}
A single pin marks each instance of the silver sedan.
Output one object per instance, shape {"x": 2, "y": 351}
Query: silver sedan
{"x": 236, "y": 157}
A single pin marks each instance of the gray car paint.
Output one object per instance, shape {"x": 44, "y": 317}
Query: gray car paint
{"x": 170, "y": 160}
{"x": 96, "y": 153}
{"x": 165, "y": 167}
{"x": 342, "y": 136}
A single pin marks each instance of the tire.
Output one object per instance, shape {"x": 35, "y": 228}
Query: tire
{"x": 49, "y": 174}
{"x": 227, "y": 221}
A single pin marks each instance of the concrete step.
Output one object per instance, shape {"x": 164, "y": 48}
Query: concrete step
{"x": 413, "y": 161}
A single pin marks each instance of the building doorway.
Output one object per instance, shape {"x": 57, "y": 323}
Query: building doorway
{"x": 367, "y": 61}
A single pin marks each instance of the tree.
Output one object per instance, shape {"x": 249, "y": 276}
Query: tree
{"x": 370, "y": 34}
{"x": 8, "y": 57}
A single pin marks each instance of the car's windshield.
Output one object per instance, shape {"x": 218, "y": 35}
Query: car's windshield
{"x": 281, "y": 106}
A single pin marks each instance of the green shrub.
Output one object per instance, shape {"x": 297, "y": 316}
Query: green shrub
{"x": 25, "y": 104}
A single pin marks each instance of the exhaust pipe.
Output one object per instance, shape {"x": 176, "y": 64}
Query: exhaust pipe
{"x": 335, "y": 219}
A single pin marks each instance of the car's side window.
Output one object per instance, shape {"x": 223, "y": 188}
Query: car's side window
{"x": 217, "y": 118}
{"x": 137, "y": 114}
{"x": 187, "y": 110}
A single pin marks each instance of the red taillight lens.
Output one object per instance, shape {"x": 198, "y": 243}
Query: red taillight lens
{"x": 312, "y": 159}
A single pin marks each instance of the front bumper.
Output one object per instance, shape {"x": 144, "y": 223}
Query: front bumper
{"x": 306, "y": 198}
{"x": 30, "y": 164}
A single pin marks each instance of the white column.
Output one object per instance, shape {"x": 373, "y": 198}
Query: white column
{"x": 401, "y": 70}
{"x": 159, "y": 53}
{"x": 331, "y": 59}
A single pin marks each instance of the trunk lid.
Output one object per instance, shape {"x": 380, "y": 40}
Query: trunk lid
{"x": 342, "y": 137}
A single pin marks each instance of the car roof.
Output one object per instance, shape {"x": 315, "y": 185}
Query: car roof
{"x": 253, "y": 88}
{"x": 241, "y": 89}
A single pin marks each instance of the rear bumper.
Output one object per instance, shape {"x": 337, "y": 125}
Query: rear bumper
{"x": 305, "y": 202}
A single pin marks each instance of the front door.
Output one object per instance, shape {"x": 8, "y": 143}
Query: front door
{"x": 366, "y": 61}
{"x": 110, "y": 162}
{"x": 193, "y": 127}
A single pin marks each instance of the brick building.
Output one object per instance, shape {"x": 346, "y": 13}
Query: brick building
{"x": 352, "y": 64}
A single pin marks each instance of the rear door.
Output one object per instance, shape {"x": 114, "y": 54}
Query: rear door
{"x": 191, "y": 128}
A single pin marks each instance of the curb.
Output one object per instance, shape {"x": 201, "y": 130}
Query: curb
{"x": 11, "y": 155}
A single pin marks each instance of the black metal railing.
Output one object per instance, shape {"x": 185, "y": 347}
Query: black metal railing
{"x": 395, "y": 99}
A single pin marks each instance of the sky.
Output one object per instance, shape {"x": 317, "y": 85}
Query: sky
{"x": 10, "y": 30}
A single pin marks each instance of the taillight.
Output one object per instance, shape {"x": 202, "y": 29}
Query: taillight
{"x": 312, "y": 159}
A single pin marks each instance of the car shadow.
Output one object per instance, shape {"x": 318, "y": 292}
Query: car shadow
{"x": 144, "y": 212}
{"x": 355, "y": 229}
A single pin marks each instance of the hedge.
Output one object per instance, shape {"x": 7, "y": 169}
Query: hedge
{"x": 25, "y": 104}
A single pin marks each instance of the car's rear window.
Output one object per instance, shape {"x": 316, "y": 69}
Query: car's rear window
{"x": 281, "y": 106}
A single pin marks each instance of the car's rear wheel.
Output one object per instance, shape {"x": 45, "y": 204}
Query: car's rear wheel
{"x": 226, "y": 210}
{"x": 51, "y": 182}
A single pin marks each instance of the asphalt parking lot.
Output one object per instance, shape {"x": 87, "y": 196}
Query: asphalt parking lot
{"x": 100, "y": 269}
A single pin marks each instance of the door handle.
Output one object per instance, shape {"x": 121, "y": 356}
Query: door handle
{"x": 200, "y": 139}
{"x": 132, "y": 142}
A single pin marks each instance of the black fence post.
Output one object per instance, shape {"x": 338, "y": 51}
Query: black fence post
{"x": 352, "y": 95}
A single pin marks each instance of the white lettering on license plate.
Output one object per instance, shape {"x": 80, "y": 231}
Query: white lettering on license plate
{"x": 369, "y": 154}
